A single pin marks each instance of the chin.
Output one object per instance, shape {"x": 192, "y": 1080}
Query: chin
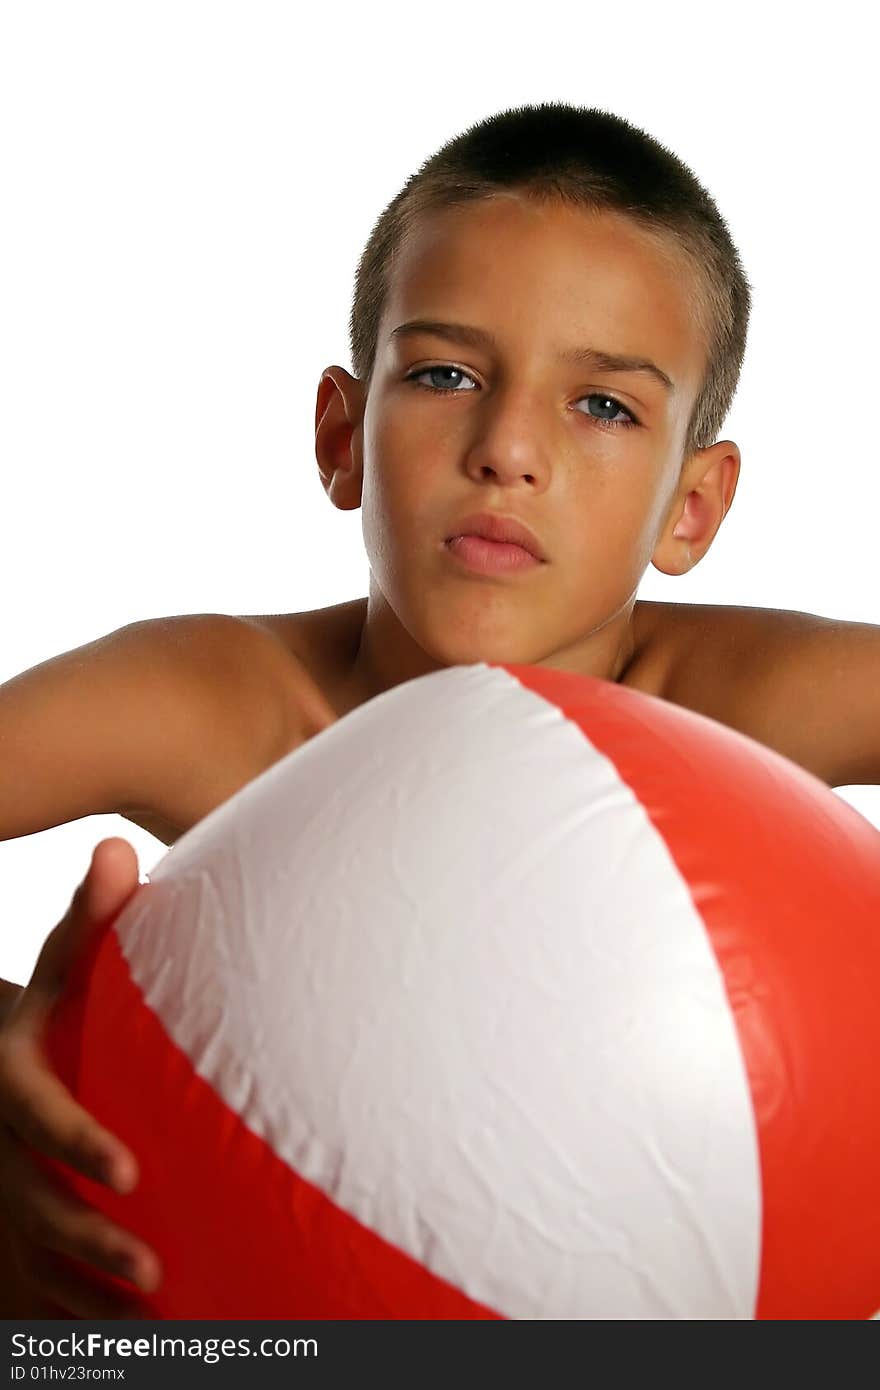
{"x": 493, "y": 649}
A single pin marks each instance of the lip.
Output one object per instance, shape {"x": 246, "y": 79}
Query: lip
{"x": 492, "y": 526}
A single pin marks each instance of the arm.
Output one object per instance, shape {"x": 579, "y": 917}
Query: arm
{"x": 166, "y": 717}
{"x": 158, "y": 721}
{"x": 804, "y": 685}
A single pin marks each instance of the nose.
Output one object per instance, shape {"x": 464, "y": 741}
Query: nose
{"x": 509, "y": 444}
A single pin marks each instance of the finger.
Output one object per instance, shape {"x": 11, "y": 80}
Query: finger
{"x": 111, "y": 880}
{"x": 36, "y": 1102}
{"x": 42, "y": 1113}
{"x": 51, "y": 1276}
{"x": 41, "y": 1213}
{"x": 47, "y": 1219}
{"x": 111, "y": 877}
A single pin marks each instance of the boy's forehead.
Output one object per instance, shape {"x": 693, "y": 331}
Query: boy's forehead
{"x": 551, "y": 276}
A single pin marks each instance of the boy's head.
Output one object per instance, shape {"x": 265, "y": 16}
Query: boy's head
{"x": 548, "y": 230}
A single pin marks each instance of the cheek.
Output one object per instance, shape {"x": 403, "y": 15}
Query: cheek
{"x": 611, "y": 543}
{"x": 396, "y": 516}
{"x": 394, "y": 499}
{"x": 403, "y": 482}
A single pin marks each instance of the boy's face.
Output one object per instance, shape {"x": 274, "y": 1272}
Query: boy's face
{"x": 518, "y": 433}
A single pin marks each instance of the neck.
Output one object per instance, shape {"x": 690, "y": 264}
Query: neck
{"x": 385, "y": 654}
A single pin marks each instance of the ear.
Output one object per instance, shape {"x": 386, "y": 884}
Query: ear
{"x": 702, "y": 500}
{"x": 339, "y": 414}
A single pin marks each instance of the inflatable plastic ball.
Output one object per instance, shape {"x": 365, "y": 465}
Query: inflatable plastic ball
{"x": 512, "y": 994}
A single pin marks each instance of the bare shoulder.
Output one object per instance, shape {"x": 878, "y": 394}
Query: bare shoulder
{"x": 158, "y": 721}
{"x": 238, "y": 699}
{"x": 800, "y": 683}
{"x": 319, "y": 647}
{"x": 264, "y": 666}
{"x": 717, "y": 655}
{"x": 707, "y": 654}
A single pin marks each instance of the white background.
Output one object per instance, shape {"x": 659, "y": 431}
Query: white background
{"x": 187, "y": 188}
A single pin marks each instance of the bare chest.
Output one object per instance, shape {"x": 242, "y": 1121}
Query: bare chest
{"x": 324, "y": 643}
{"x": 320, "y": 647}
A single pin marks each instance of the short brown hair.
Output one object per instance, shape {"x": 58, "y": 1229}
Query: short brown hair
{"x": 591, "y": 159}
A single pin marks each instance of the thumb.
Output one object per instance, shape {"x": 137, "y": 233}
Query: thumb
{"x": 112, "y": 879}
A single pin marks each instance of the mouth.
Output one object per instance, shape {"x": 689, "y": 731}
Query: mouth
{"x": 483, "y": 556}
{"x": 505, "y": 534}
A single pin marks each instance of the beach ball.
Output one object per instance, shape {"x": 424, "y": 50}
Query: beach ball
{"x": 513, "y": 994}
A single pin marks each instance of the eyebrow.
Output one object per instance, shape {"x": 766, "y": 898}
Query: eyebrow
{"x": 596, "y": 358}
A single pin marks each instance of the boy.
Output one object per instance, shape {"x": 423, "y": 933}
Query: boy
{"x": 585, "y": 303}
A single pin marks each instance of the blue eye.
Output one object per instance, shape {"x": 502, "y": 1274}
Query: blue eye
{"x": 593, "y": 396}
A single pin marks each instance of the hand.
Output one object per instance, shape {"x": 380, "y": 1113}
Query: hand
{"x": 45, "y": 1225}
